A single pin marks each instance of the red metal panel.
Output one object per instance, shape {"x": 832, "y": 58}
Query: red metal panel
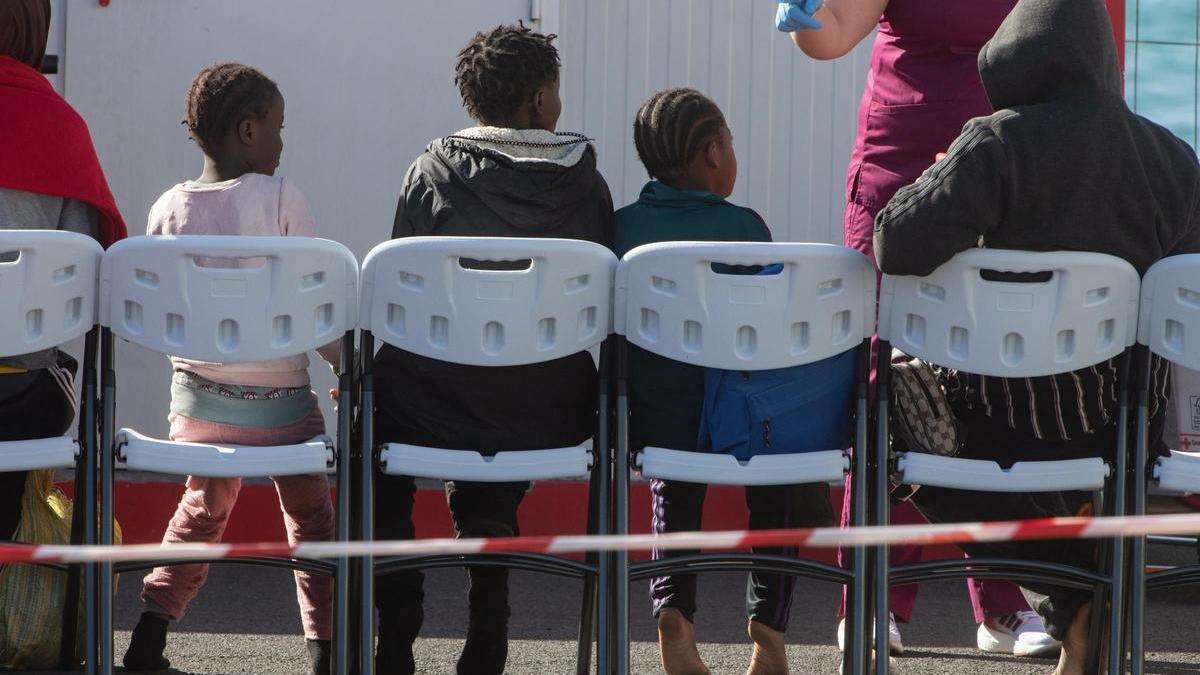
{"x": 1116, "y": 10}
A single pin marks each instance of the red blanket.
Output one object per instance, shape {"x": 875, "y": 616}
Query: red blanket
{"x": 45, "y": 147}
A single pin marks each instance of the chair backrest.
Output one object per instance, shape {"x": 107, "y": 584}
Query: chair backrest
{"x": 1014, "y": 313}
{"x": 816, "y": 301}
{"x": 488, "y": 301}
{"x": 1169, "y": 323}
{"x": 229, "y": 298}
{"x": 47, "y": 288}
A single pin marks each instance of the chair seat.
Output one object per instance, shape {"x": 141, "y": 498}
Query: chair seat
{"x": 826, "y": 466}
{"x": 39, "y": 453}
{"x": 138, "y": 452}
{"x": 399, "y": 459}
{"x": 1179, "y": 472}
{"x": 920, "y": 468}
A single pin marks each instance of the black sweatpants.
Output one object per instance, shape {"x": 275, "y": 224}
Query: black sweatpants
{"x": 37, "y": 404}
{"x": 677, "y": 507}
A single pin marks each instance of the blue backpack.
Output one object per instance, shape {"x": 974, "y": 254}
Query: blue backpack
{"x": 771, "y": 412}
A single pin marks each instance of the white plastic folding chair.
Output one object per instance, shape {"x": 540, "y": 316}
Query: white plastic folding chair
{"x": 1012, "y": 314}
{"x": 672, "y": 302}
{"x": 438, "y": 297}
{"x": 48, "y": 283}
{"x": 1169, "y": 327}
{"x": 229, "y": 299}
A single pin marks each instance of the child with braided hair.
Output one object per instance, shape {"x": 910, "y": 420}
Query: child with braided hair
{"x": 235, "y": 115}
{"x": 687, "y": 149}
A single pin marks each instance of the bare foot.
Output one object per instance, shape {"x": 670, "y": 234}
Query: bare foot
{"x": 677, "y": 644}
{"x": 770, "y": 657}
{"x": 1073, "y": 659}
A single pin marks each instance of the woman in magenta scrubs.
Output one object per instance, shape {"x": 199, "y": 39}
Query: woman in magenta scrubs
{"x": 923, "y": 86}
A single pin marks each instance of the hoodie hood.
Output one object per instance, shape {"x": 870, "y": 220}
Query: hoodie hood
{"x": 532, "y": 179}
{"x": 1046, "y": 49}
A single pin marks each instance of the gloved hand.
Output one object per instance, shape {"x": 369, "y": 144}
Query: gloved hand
{"x": 794, "y": 15}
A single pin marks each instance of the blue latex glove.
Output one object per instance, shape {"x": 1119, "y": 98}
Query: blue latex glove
{"x": 794, "y": 15}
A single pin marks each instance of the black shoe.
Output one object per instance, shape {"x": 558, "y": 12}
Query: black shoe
{"x": 319, "y": 655}
{"x": 147, "y": 644}
{"x": 485, "y": 652}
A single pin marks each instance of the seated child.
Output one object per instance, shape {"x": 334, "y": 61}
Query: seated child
{"x": 1062, "y": 164}
{"x": 687, "y": 149}
{"x": 235, "y": 115}
{"x": 511, "y": 176}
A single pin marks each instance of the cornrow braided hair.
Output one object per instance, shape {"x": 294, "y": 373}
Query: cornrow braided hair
{"x": 499, "y": 70}
{"x": 671, "y": 127}
{"x": 222, "y": 95}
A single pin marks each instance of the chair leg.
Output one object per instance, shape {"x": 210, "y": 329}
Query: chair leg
{"x": 364, "y": 467}
{"x": 107, "y": 463}
{"x": 587, "y": 626}
{"x": 1137, "y": 606}
{"x": 620, "y": 559}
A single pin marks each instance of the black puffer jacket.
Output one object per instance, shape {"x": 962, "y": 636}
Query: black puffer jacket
{"x": 506, "y": 183}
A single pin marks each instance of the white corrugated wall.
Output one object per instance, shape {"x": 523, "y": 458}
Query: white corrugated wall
{"x": 793, "y": 119}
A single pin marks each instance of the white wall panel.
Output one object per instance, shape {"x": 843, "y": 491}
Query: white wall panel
{"x": 368, "y": 84}
{"x": 793, "y": 119}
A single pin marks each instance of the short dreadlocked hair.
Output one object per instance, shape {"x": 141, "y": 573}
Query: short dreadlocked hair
{"x": 671, "y": 127}
{"x": 223, "y": 95}
{"x": 499, "y": 70}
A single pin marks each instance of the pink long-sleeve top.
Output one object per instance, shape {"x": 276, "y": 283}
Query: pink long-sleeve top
{"x": 253, "y": 204}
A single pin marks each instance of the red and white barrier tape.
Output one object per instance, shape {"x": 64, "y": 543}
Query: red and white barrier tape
{"x": 825, "y": 537}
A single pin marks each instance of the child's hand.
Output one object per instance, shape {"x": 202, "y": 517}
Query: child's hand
{"x": 333, "y": 394}
{"x": 795, "y": 15}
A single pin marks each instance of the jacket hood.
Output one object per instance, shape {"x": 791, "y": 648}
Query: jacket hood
{"x": 532, "y": 179}
{"x": 1046, "y": 49}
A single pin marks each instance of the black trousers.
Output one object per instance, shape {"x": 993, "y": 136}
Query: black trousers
{"x": 477, "y": 510}
{"x": 32, "y": 405}
{"x": 990, "y": 439}
{"x": 677, "y": 507}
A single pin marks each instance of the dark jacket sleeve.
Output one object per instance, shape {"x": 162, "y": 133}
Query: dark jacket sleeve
{"x": 953, "y": 204}
{"x": 415, "y": 214}
{"x": 1190, "y": 241}
{"x": 756, "y": 227}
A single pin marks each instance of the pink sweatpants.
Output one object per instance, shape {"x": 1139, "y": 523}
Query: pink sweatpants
{"x": 204, "y": 510}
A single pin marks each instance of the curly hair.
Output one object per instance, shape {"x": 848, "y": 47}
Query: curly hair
{"x": 499, "y": 70}
{"x": 671, "y": 127}
{"x": 223, "y": 95}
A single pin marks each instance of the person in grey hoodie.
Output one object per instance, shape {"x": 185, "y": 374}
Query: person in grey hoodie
{"x": 1062, "y": 164}
{"x": 512, "y": 176}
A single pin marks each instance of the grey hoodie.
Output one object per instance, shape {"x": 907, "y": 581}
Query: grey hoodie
{"x": 1062, "y": 164}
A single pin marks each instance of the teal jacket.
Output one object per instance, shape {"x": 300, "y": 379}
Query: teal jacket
{"x": 666, "y": 396}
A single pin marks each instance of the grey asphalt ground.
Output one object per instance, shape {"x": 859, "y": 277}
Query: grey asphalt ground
{"x": 245, "y": 621}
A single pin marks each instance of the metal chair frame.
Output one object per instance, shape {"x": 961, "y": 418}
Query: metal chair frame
{"x": 53, "y": 266}
{"x": 434, "y": 260}
{"x": 849, "y": 282}
{"x": 1167, "y": 328}
{"x": 262, "y": 303}
{"x": 998, "y": 319}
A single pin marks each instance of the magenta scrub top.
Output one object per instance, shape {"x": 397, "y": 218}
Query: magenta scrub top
{"x": 923, "y": 87}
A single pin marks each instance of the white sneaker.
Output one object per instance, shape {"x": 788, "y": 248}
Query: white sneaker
{"x": 1019, "y": 634}
{"x": 895, "y": 644}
